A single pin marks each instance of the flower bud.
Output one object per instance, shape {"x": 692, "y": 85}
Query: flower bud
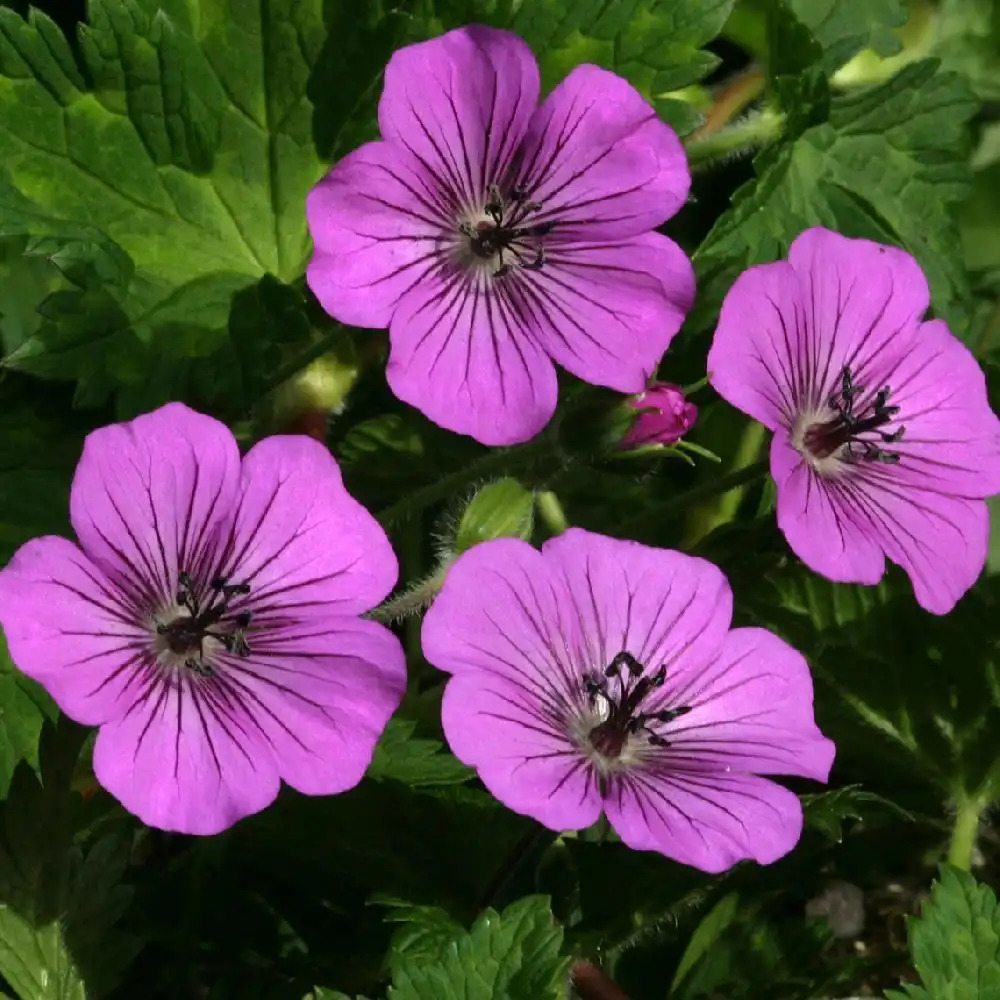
{"x": 665, "y": 416}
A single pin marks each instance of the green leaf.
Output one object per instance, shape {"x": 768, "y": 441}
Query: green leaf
{"x": 826, "y": 811}
{"x": 59, "y": 904}
{"x": 955, "y": 941}
{"x": 512, "y": 955}
{"x": 415, "y": 762}
{"x": 185, "y": 135}
{"x": 424, "y": 932}
{"x": 887, "y": 165}
{"x": 24, "y": 707}
{"x": 707, "y": 933}
{"x": 844, "y": 27}
{"x": 967, "y": 40}
{"x": 321, "y": 994}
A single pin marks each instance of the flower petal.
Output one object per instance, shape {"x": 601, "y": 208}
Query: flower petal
{"x": 183, "y": 759}
{"x": 507, "y": 735}
{"x": 300, "y": 540}
{"x": 941, "y": 541}
{"x": 708, "y": 821}
{"x": 501, "y": 611}
{"x": 70, "y": 628}
{"x": 321, "y": 691}
{"x": 663, "y": 607}
{"x": 951, "y": 443}
{"x": 151, "y": 496}
{"x": 460, "y": 103}
{"x": 607, "y": 312}
{"x": 787, "y": 330}
{"x": 751, "y": 710}
{"x": 600, "y": 162}
{"x": 461, "y": 355}
{"x": 379, "y": 221}
{"x": 816, "y": 516}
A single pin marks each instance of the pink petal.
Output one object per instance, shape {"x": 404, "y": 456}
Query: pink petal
{"x": 184, "y": 759}
{"x": 493, "y": 725}
{"x": 607, "y": 312}
{"x": 751, "y": 710}
{"x": 380, "y": 222}
{"x": 460, "y": 103}
{"x": 951, "y": 443}
{"x": 661, "y": 606}
{"x": 600, "y": 161}
{"x": 817, "y": 518}
{"x": 502, "y": 611}
{"x": 787, "y": 330}
{"x": 150, "y": 496}
{"x": 941, "y": 541}
{"x": 461, "y": 355}
{"x": 321, "y": 692}
{"x": 71, "y": 629}
{"x": 708, "y": 821}
{"x": 300, "y": 540}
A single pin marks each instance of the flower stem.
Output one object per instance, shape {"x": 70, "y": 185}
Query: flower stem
{"x": 510, "y": 865}
{"x": 964, "y": 832}
{"x": 315, "y": 350}
{"x": 684, "y": 501}
{"x": 744, "y": 136}
{"x": 705, "y": 520}
{"x": 502, "y": 460}
{"x": 550, "y": 510}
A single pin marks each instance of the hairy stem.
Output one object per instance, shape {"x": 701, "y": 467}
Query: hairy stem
{"x": 744, "y": 136}
{"x": 510, "y": 865}
{"x": 500, "y": 461}
{"x": 684, "y": 501}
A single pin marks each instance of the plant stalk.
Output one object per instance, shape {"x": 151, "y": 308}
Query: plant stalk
{"x": 964, "y": 832}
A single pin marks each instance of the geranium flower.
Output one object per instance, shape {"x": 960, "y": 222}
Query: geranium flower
{"x": 884, "y": 443}
{"x": 208, "y": 621}
{"x": 665, "y": 416}
{"x": 602, "y": 675}
{"x": 493, "y": 236}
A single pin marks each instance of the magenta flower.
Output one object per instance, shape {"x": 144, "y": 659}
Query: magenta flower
{"x": 208, "y": 622}
{"x": 602, "y": 675}
{"x": 665, "y": 416}
{"x": 493, "y": 236}
{"x": 884, "y": 443}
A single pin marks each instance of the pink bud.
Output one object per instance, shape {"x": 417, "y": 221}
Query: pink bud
{"x": 665, "y": 416}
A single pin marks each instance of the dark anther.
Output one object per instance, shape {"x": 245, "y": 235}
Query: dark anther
{"x": 825, "y": 439}
{"x": 624, "y": 700}
{"x": 185, "y": 634}
{"x": 502, "y": 232}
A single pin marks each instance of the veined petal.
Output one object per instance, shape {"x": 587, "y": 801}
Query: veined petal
{"x": 516, "y": 746}
{"x": 787, "y": 330}
{"x": 70, "y": 628}
{"x": 658, "y": 605}
{"x": 751, "y": 710}
{"x": 151, "y": 496}
{"x": 951, "y": 444}
{"x": 186, "y": 759}
{"x": 600, "y": 162}
{"x": 941, "y": 541}
{"x": 709, "y": 821}
{"x": 502, "y": 610}
{"x": 320, "y": 692}
{"x": 817, "y": 518}
{"x": 462, "y": 355}
{"x": 380, "y": 221}
{"x": 300, "y": 540}
{"x": 607, "y": 312}
{"x": 460, "y": 103}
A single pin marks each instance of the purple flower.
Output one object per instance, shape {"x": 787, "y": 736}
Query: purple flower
{"x": 602, "y": 675}
{"x": 665, "y": 416}
{"x": 208, "y": 621}
{"x": 494, "y": 236}
{"x": 884, "y": 443}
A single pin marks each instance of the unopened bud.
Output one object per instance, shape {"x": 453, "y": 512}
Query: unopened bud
{"x": 665, "y": 416}
{"x": 501, "y": 509}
